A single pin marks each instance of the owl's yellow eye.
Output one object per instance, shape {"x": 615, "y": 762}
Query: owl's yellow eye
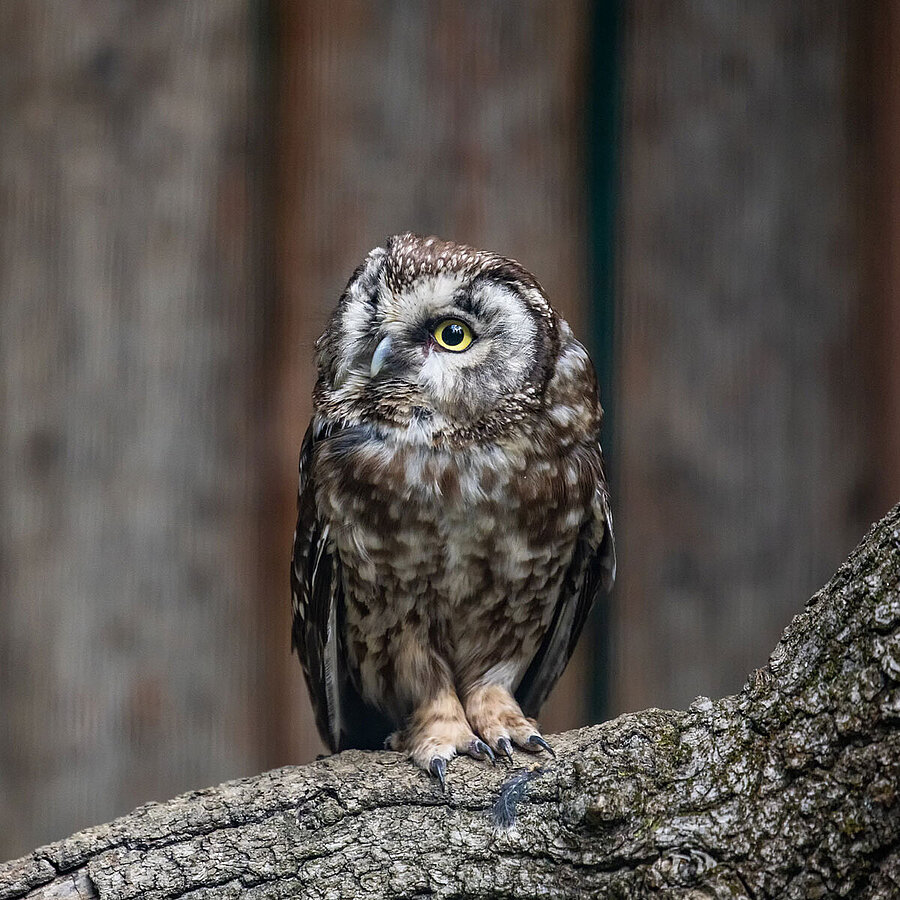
{"x": 453, "y": 335}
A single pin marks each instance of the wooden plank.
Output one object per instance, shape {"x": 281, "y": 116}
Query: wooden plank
{"x": 744, "y": 419}
{"x": 883, "y": 240}
{"x": 128, "y": 349}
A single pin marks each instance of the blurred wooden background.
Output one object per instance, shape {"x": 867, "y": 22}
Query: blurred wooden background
{"x": 184, "y": 190}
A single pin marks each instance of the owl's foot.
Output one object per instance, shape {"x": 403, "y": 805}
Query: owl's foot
{"x": 494, "y": 714}
{"x": 436, "y": 733}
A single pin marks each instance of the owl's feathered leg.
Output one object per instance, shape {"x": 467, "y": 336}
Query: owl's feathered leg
{"x": 438, "y": 731}
{"x": 494, "y": 714}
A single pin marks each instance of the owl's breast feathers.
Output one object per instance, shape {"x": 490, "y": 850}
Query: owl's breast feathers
{"x": 489, "y": 551}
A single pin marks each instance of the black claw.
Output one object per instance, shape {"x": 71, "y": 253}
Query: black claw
{"x": 536, "y": 742}
{"x": 438, "y": 768}
{"x": 504, "y": 745}
{"x": 480, "y": 748}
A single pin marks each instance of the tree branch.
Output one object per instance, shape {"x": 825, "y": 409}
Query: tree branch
{"x": 788, "y": 789}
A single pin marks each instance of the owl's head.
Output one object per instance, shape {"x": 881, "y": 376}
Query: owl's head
{"x": 437, "y": 331}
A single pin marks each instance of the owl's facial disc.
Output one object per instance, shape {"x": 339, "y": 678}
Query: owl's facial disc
{"x": 462, "y": 344}
{"x": 436, "y": 331}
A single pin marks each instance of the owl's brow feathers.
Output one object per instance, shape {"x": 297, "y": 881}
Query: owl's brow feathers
{"x": 409, "y": 258}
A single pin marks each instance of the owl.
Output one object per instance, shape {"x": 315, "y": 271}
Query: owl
{"x": 454, "y": 524}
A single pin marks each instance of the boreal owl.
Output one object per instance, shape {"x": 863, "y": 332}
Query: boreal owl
{"x": 454, "y": 524}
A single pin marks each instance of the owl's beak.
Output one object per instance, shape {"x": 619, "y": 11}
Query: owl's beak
{"x": 382, "y": 351}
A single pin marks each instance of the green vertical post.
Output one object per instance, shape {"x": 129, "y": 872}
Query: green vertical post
{"x": 601, "y": 172}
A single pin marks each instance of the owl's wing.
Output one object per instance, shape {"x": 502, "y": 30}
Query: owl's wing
{"x": 317, "y": 633}
{"x": 593, "y": 566}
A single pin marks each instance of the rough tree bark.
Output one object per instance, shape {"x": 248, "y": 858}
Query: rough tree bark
{"x": 788, "y": 789}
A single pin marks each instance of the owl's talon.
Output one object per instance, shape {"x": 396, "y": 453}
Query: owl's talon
{"x": 438, "y": 768}
{"x": 479, "y": 749}
{"x": 504, "y": 745}
{"x": 536, "y": 743}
